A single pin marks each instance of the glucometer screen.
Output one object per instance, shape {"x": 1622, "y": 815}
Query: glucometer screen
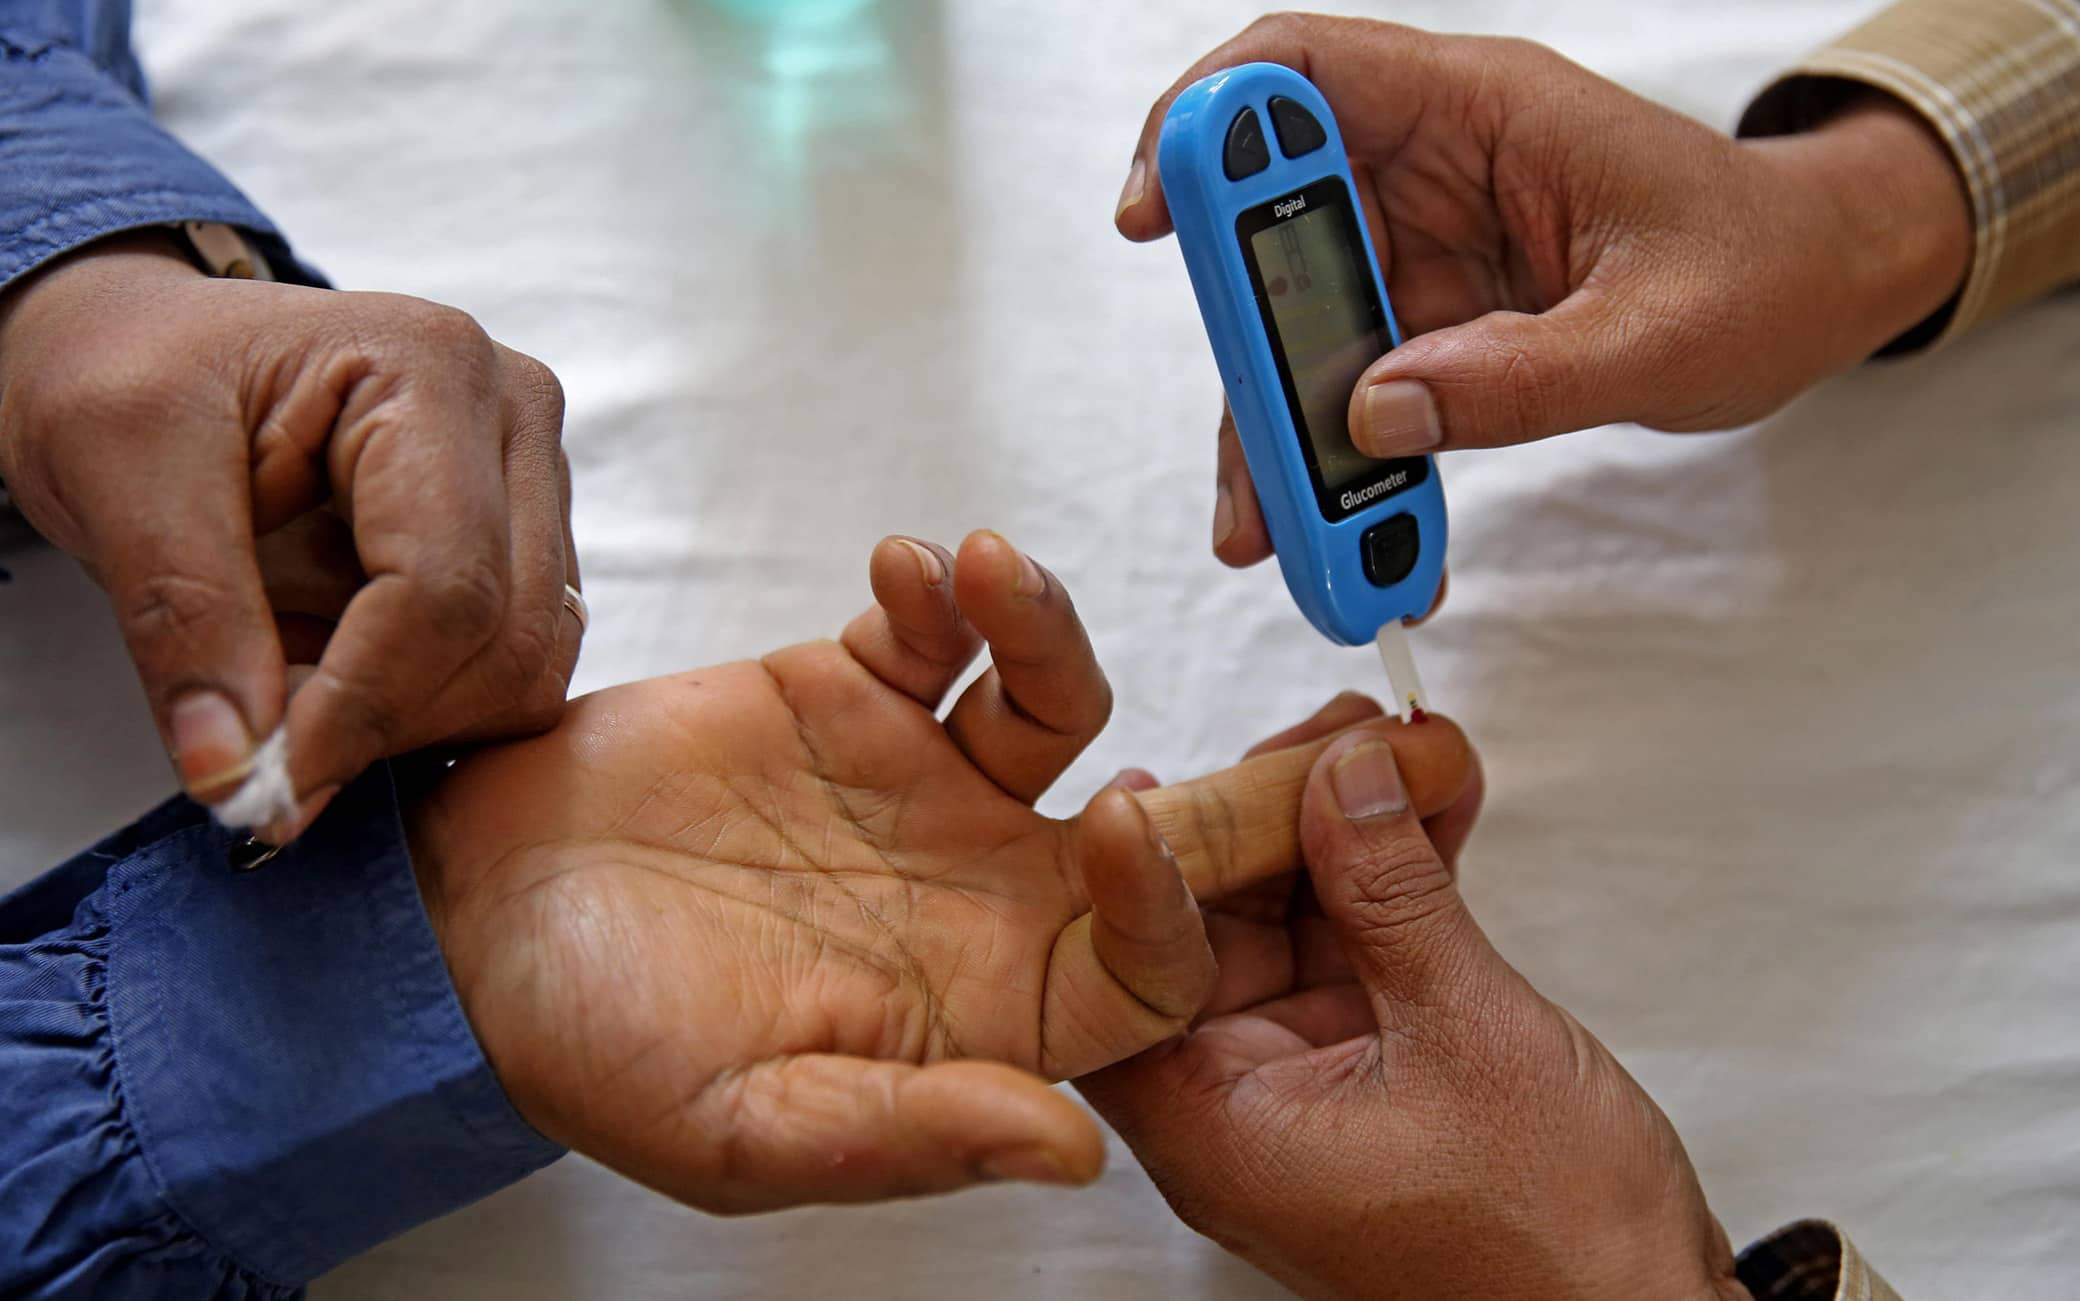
{"x": 1324, "y": 328}
{"x": 1326, "y": 323}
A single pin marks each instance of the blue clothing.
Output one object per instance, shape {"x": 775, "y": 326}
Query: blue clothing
{"x": 221, "y": 1084}
{"x": 212, "y": 1084}
{"x": 80, "y": 156}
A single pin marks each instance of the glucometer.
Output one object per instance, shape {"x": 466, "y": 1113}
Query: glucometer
{"x": 1260, "y": 191}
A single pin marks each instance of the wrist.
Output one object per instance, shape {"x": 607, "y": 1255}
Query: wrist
{"x": 427, "y": 847}
{"x": 442, "y": 865}
{"x": 86, "y": 275}
{"x": 82, "y": 280}
{"x": 90, "y": 272}
{"x": 1890, "y": 213}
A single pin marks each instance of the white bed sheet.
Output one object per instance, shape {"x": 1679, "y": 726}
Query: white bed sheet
{"x": 1780, "y": 725}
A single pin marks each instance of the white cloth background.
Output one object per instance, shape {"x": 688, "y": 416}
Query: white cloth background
{"x": 1780, "y": 725}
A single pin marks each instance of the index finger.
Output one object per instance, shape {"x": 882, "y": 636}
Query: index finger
{"x": 1233, "y": 828}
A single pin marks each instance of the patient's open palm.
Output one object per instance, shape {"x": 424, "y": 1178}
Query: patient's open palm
{"x": 741, "y": 932}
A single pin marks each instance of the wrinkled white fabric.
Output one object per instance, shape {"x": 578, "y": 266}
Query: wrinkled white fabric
{"x": 1780, "y": 725}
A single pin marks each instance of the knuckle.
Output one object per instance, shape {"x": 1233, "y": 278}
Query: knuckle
{"x": 446, "y": 327}
{"x": 1400, "y": 882}
{"x": 431, "y": 333}
{"x": 529, "y": 660}
{"x": 357, "y": 716}
{"x": 466, "y": 600}
{"x": 1528, "y": 386}
{"x": 527, "y": 681}
{"x": 1217, "y": 827}
{"x": 1280, "y": 25}
{"x": 1519, "y": 50}
{"x": 541, "y": 388}
{"x": 170, "y": 607}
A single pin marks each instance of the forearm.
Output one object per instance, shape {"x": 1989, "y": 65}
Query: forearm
{"x": 72, "y": 287}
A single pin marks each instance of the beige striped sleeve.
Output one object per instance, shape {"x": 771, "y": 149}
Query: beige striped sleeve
{"x": 1999, "y": 80}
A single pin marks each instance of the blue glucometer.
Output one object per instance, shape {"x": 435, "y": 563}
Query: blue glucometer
{"x": 1261, "y": 193}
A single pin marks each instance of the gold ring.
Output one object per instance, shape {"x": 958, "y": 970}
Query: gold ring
{"x": 574, "y": 601}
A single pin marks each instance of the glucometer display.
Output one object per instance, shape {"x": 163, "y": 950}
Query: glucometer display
{"x": 1323, "y": 328}
{"x": 1326, "y": 327}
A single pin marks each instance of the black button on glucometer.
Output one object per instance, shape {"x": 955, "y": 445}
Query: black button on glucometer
{"x": 1298, "y": 130}
{"x": 1390, "y": 549}
{"x": 1247, "y": 152}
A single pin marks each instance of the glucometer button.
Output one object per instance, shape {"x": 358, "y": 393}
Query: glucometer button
{"x": 1299, "y": 132}
{"x": 1390, "y": 548}
{"x": 1247, "y": 152}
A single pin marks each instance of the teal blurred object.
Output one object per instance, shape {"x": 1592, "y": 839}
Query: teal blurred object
{"x": 803, "y": 39}
{"x": 794, "y": 11}
{"x": 822, "y": 84}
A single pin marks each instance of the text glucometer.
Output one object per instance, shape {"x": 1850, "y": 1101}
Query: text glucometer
{"x": 1260, "y": 191}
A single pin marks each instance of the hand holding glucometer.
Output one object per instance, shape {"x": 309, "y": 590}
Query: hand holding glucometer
{"x": 1254, "y": 172}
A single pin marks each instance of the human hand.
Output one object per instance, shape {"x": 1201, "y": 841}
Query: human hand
{"x": 1563, "y": 253}
{"x": 259, "y": 473}
{"x": 772, "y": 932}
{"x": 1399, "y": 1113}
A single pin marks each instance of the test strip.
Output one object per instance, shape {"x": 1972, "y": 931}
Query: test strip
{"x": 1409, "y": 700}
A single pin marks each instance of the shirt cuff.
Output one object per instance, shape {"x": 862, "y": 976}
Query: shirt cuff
{"x": 1997, "y": 81}
{"x": 81, "y": 158}
{"x": 1811, "y": 1260}
{"x": 298, "y": 1071}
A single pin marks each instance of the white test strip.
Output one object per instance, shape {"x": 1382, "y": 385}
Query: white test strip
{"x": 1401, "y": 671}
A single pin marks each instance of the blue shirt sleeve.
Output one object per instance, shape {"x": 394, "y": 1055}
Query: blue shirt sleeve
{"x": 80, "y": 156}
{"x": 222, "y": 1084}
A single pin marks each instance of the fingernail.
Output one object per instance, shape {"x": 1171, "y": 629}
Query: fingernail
{"x": 1134, "y": 779}
{"x": 1223, "y": 514}
{"x": 928, "y": 563}
{"x": 211, "y": 748}
{"x": 1130, "y": 193}
{"x": 1031, "y": 582}
{"x": 1366, "y": 782}
{"x": 1033, "y": 1165}
{"x": 1400, "y": 419}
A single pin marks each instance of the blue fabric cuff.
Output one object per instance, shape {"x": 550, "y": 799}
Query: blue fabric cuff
{"x": 298, "y": 1071}
{"x": 80, "y": 158}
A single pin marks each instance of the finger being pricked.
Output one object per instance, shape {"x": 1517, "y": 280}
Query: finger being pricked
{"x": 1043, "y": 698}
{"x": 1234, "y": 828}
{"x": 1137, "y": 967}
{"x": 1268, "y": 901}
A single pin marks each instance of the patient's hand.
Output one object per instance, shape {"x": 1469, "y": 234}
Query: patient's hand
{"x": 744, "y": 933}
